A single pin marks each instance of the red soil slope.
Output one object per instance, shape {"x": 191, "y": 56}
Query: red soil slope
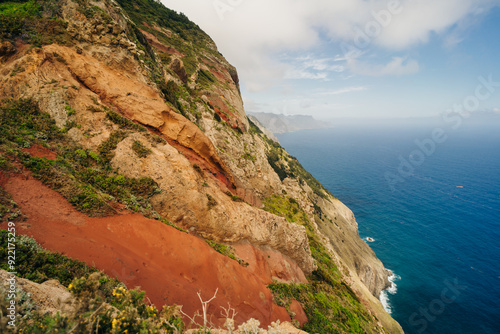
{"x": 171, "y": 266}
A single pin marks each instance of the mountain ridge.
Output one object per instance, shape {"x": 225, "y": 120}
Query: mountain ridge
{"x": 139, "y": 97}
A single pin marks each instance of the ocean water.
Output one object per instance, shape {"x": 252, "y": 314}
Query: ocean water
{"x": 429, "y": 196}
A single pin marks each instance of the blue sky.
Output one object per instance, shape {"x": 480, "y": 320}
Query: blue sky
{"x": 356, "y": 58}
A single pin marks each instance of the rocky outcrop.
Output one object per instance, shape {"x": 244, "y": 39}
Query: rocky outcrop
{"x": 178, "y": 67}
{"x": 212, "y": 169}
{"x": 50, "y": 297}
{"x": 205, "y": 209}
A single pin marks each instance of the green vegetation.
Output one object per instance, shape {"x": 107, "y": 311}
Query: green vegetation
{"x": 154, "y": 13}
{"x": 330, "y": 305}
{"x": 234, "y": 197}
{"x": 171, "y": 92}
{"x": 70, "y": 110}
{"x": 103, "y": 305}
{"x": 248, "y": 156}
{"x": 59, "y": 58}
{"x": 254, "y": 129}
{"x": 35, "y": 22}
{"x": 205, "y": 79}
{"x": 226, "y": 251}
{"x": 82, "y": 176}
{"x": 123, "y": 122}
{"x": 39, "y": 266}
{"x": 95, "y": 12}
{"x": 286, "y": 207}
{"x": 330, "y": 309}
{"x": 211, "y": 201}
{"x": 9, "y": 210}
{"x": 106, "y": 149}
{"x": 141, "y": 150}
{"x": 286, "y": 165}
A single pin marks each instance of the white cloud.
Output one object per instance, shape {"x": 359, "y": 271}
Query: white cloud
{"x": 344, "y": 90}
{"x": 253, "y": 32}
{"x": 397, "y": 66}
{"x": 301, "y": 74}
{"x": 309, "y": 67}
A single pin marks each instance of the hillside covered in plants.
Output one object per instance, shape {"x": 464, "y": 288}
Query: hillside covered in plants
{"x": 139, "y": 189}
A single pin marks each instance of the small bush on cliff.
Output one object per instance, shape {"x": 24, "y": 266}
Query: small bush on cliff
{"x": 171, "y": 92}
{"x": 155, "y": 13}
{"x": 286, "y": 207}
{"x": 106, "y": 149}
{"x": 205, "y": 78}
{"x": 123, "y": 122}
{"x": 141, "y": 150}
{"x": 226, "y": 251}
{"x": 254, "y": 129}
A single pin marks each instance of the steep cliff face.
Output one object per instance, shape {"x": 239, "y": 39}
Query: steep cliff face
{"x": 148, "y": 90}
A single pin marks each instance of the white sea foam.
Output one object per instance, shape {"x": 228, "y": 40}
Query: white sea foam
{"x": 393, "y": 289}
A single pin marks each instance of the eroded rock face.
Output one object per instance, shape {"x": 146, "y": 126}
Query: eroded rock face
{"x": 178, "y": 67}
{"x": 185, "y": 200}
{"x": 341, "y": 228}
{"x": 202, "y": 159}
{"x": 170, "y": 265}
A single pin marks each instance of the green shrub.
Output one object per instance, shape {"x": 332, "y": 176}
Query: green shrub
{"x": 286, "y": 207}
{"x": 9, "y": 211}
{"x": 205, "y": 78}
{"x": 35, "y": 22}
{"x": 234, "y": 197}
{"x": 70, "y": 110}
{"x": 329, "y": 309}
{"x": 286, "y": 165}
{"x": 39, "y": 266}
{"x": 59, "y": 58}
{"x": 171, "y": 92}
{"x": 123, "y": 122}
{"x": 140, "y": 149}
{"x": 106, "y": 149}
{"x": 226, "y": 251}
{"x": 211, "y": 201}
{"x": 96, "y": 13}
{"x": 248, "y": 156}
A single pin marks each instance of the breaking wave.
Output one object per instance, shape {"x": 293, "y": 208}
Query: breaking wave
{"x": 393, "y": 289}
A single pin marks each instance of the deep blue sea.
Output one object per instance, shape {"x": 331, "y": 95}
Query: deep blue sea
{"x": 433, "y": 209}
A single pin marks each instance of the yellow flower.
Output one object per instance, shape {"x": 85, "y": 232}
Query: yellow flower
{"x": 70, "y": 286}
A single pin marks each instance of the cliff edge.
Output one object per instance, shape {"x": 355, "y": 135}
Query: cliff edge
{"x": 131, "y": 122}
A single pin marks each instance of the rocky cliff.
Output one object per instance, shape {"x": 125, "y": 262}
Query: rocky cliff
{"x": 148, "y": 118}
